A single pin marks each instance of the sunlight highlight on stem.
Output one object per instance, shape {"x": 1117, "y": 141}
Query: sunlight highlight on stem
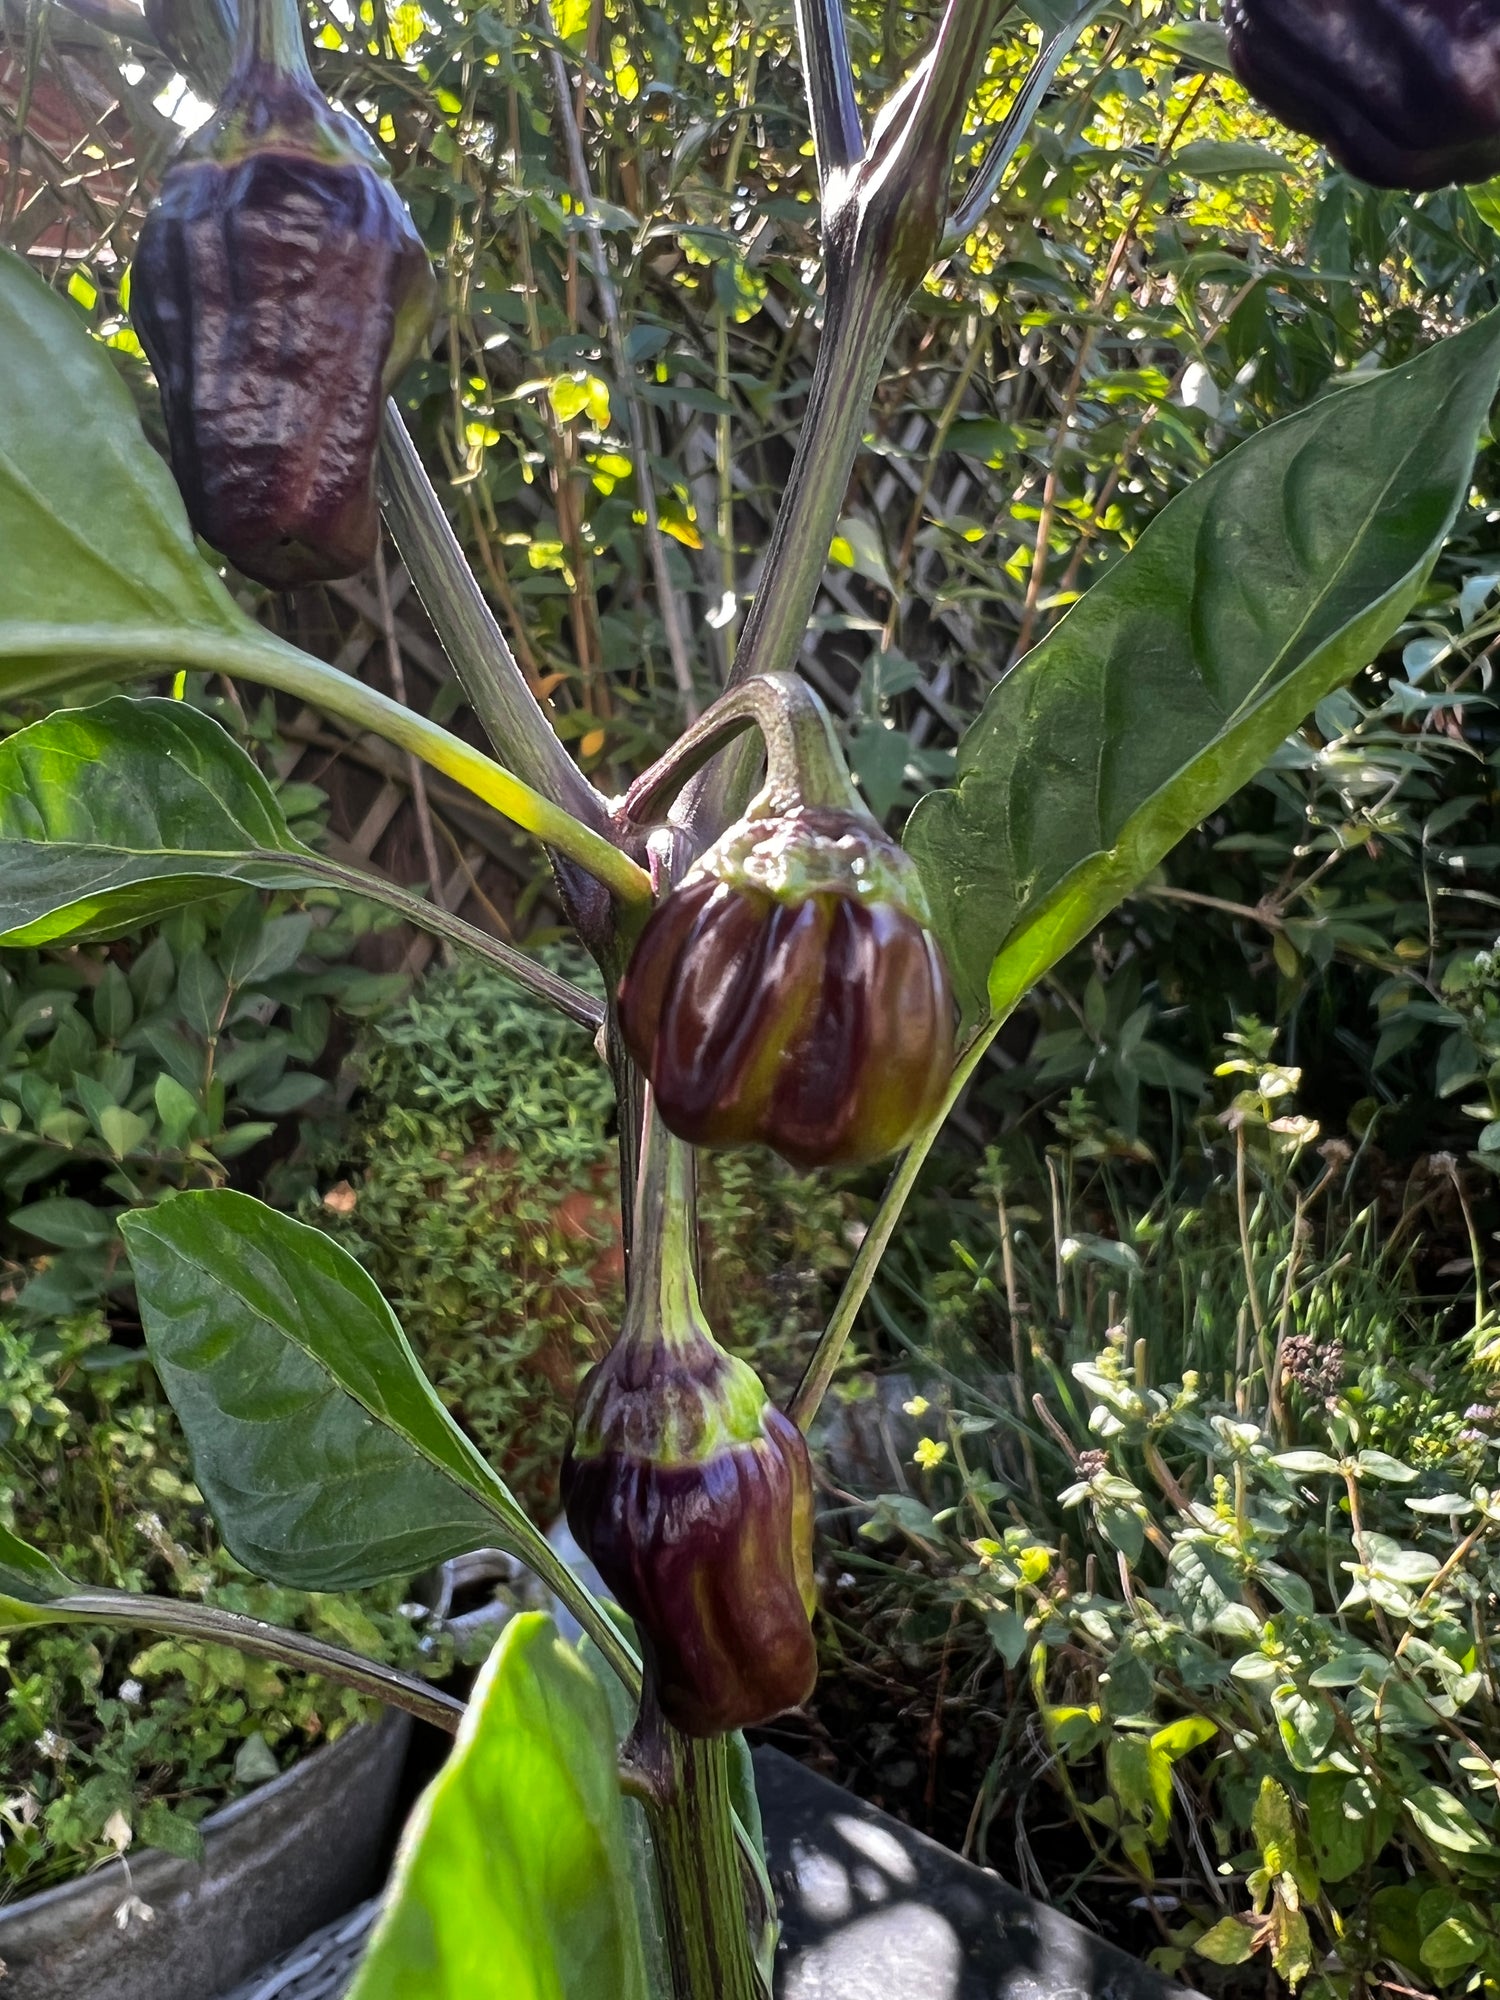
{"x": 272, "y": 663}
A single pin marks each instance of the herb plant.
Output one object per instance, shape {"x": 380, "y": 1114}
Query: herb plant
{"x": 1205, "y": 1511}
{"x": 324, "y": 1454}
{"x": 112, "y": 1740}
{"x": 475, "y": 1177}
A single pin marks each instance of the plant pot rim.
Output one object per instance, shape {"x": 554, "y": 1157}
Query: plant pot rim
{"x": 868, "y": 1907}
{"x": 156, "y": 1869}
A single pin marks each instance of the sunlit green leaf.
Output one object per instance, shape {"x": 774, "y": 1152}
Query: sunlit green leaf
{"x": 112, "y": 816}
{"x": 514, "y": 1881}
{"x": 1255, "y": 593}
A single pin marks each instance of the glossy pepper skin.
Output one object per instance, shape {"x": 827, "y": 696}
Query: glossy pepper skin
{"x": 1403, "y": 93}
{"x": 692, "y": 1495}
{"x": 279, "y": 289}
{"x": 789, "y": 992}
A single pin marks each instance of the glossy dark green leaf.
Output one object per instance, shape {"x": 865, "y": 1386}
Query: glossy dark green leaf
{"x": 112, "y": 816}
{"x": 320, "y": 1446}
{"x": 514, "y": 1881}
{"x": 65, "y": 1222}
{"x": 99, "y": 562}
{"x": 1266, "y": 585}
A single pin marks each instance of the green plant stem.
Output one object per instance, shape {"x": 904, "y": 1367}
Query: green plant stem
{"x": 804, "y": 765}
{"x": 548, "y": 1567}
{"x": 272, "y": 663}
{"x": 123, "y": 1611}
{"x": 487, "y": 669}
{"x": 861, "y": 318}
{"x": 1017, "y": 123}
{"x": 560, "y": 993}
{"x": 270, "y": 32}
{"x": 704, "y": 1910}
{"x": 831, "y": 100}
{"x": 824, "y": 1364}
{"x": 883, "y": 221}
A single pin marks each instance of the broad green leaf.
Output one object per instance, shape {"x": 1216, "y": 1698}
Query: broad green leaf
{"x": 1454, "y": 1944}
{"x": 97, "y": 544}
{"x": 1398, "y": 1925}
{"x": 1304, "y": 1463}
{"x": 1270, "y": 582}
{"x": 1348, "y": 1823}
{"x": 1381, "y": 1465}
{"x": 514, "y": 1881}
{"x": 29, "y": 1583}
{"x": 65, "y": 1221}
{"x": 1205, "y": 1580}
{"x": 1230, "y": 1942}
{"x": 112, "y": 816}
{"x": 1291, "y": 1952}
{"x": 1141, "y": 1779}
{"x": 1306, "y": 1724}
{"x": 1271, "y": 1820}
{"x": 1189, "y": 1732}
{"x": 320, "y": 1446}
{"x": 1448, "y": 1821}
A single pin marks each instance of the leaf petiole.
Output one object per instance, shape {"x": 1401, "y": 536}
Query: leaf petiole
{"x": 272, "y": 663}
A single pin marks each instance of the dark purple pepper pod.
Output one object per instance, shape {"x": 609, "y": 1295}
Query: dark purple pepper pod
{"x": 279, "y": 289}
{"x": 1403, "y": 93}
{"x": 690, "y": 1491}
{"x": 692, "y": 1495}
{"x": 790, "y": 992}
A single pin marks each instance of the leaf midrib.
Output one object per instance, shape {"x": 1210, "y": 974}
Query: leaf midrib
{"x": 222, "y": 1279}
{"x": 1274, "y": 677}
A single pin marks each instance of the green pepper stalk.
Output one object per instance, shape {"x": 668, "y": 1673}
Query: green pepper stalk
{"x": 689, "y": 1489}
{"x": 886, "y": 207}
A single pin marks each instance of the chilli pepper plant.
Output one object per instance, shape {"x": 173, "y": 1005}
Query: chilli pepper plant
{"x": 779, "y": 970}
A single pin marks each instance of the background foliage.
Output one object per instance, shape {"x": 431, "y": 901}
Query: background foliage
{"x": 475, "y": 1174}
{"x": 1154, "y": 1620}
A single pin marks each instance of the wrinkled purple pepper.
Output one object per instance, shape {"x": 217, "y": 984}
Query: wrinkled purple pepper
{"x": 789, "y": 992}
{"x": 692, "y": 1495}
{"x": 1403, "y": 93}
{"x": 279, "y": 289}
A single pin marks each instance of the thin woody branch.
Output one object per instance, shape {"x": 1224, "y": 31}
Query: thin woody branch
{"x": 487, "y": 669}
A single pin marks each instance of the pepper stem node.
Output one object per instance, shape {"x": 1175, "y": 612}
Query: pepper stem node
{"x": 804, "y": 764}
